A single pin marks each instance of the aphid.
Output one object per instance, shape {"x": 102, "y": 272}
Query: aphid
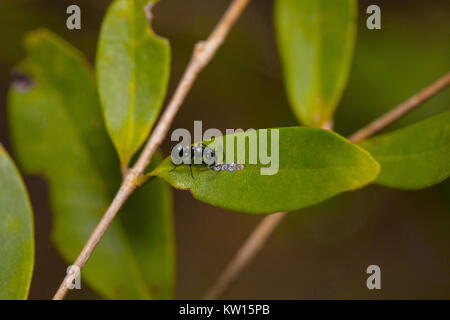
{"x": 230, "y": 167}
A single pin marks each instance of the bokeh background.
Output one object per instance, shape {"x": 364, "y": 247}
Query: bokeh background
{"x": 318, "y": 252}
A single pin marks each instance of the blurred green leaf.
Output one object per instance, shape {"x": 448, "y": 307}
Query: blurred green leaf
{"x": 132, "y": 75}
{"x": 314, "y": 165}
{"x": 16, "y": 233}
{"x": 393, "y": 64}
{"x": 413, "y": 157}
{"x": 315, "y": 39}
{"x": 58, "y": 131}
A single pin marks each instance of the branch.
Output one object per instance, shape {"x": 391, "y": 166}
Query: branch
{"x": 260, "y": 235}
{"x": 246, "y": 253}
{"x": 202, "y": 55}
{"x": 401, "y": 110}
{"x": 251, "y": 247}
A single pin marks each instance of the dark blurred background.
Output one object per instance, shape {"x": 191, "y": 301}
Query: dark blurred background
{"x": 319, "y": 252}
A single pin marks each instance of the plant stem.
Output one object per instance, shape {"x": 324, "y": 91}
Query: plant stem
{"x": 202, "y": 55}
{"x": 251, "y": 247}
{"x": 260, "y": 235}
{"x": 401, "y": 110}
{"x": 245, "y": 254}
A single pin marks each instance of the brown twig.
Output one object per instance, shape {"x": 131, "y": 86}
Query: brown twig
{"x": 202, "y": 55}
{"x": 260, "y": 235}
{"x": 245, "y": 254}
{"x": 401, "y": 110}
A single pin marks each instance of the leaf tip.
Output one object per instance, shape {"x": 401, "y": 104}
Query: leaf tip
{"x": 374, "y": 163}
{"x": 35, "y": 36}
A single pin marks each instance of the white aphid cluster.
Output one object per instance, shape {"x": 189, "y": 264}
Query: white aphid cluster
{"x": 230, "y": 167}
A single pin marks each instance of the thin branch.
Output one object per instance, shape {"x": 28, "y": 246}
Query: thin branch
{"x": 250, "y": 249}
{"x": 246, "y": 253}
{"x": 402, "y": 109}
{"x": 260, "y": 235}
{"x": 202, "y": 55}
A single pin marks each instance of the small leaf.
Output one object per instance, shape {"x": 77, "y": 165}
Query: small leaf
{"x": 413, "y": 157}
{"x": 315, "y": 39}
{"x": 58, "y": 131}
{"x": 16, "y": 233}
{"x": 132, "y": 75}
{"x": 314, "y": 165}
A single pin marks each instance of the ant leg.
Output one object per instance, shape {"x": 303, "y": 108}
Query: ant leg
{"x": 175, "y": 166}
{"x": 190, "y": 167}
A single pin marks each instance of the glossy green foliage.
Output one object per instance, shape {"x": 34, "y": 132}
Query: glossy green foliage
{"x": 58, "y": 132}
{"x": 16, "y": 232}
{"x": 314, "y": 165}
{"x": 413, "y": 157}
{"x": 132, "y": 74}
{"x": 315, "y": 39}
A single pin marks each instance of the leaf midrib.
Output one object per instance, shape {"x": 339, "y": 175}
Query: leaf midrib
{"x": 132, "y": 84}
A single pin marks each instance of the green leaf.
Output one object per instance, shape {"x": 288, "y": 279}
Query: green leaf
{"x": 132, "y": 75}
{"x": 16, "y": 233}
{"x": 58, "y": 131}
{"x": 314, "y": 165}
{"x": 413, "y": 157}
{"x": 315, "y": 41}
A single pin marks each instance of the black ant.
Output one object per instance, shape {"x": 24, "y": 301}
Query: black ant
{"x": 197, "y": 153}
